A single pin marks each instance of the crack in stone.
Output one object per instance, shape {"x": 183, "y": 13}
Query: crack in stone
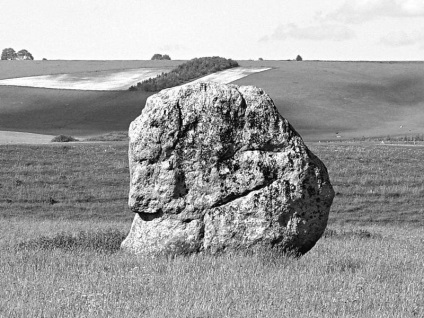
{"x": 235, "y": 196}
{"x": 169, "y": 150}
{"x": 266, "y": 148}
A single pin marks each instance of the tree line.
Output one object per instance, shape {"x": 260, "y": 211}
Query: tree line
{"x": 184, "y": 73}
{"x": 10, "y": 54}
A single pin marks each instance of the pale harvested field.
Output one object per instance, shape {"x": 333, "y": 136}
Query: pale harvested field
{"x": 97, "y": 81}
{"x": 14, "y": 137}
{"x": 117, "y": 80}
{"x": 230, "y": 75}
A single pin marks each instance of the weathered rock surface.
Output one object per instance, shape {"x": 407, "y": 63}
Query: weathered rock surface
{"x": 216, "y": 167}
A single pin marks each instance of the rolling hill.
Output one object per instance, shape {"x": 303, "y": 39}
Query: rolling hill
{"x": 13, "y": 69}
{"x": 353, "y": 99}
{"x": 322, "y": 100}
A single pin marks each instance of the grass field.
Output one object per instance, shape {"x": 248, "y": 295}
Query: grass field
{"x": 353, "y": 99}
{"x": 13, "y": 69}
{"x": 68, "y": 112}
{"x": 322, "y": 100}
{"x": 63, "y": 211}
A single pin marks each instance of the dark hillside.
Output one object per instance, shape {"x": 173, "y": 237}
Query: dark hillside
{"x": 79, "y": 113}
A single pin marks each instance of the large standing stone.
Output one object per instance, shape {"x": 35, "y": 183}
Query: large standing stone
{"x": 216, "y": 167}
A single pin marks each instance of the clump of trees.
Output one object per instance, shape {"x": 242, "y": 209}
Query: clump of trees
{"x": 160, "y": 57}
{"x": 24, "y": 55}
{"x": 299, "y": 58}
{"x": 10, "y": 54}
{"x": 184, "y": 73}
{"x": 63, "y": 138}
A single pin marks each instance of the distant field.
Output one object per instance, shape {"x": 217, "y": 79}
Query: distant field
{"x": 69, "y": 112}
{"x": 13, "y": 137}
{"x": 322, "y": 100}
{"x": 231, "y": 75}
{"x": 117, "y": 79}
{"x": 97, "y": 81}
{"x": 13, "y": 69}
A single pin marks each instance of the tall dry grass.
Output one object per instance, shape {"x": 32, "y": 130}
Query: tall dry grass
{"x": 60, "y": 258}
{"x": 367, "y": 272}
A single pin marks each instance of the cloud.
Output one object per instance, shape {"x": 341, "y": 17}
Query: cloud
{"x": 365, "y": 10}
{"x": 264, "y": 39}
{"x": 401, "y": 38}
{"x": 172, "y": 47}
{"x": 331, "y": 32}
{"x": 397, "y": 39}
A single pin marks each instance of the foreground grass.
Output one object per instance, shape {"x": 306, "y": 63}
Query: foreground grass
{"x": 347, "y": 274}
{"x": 63, "y": 214}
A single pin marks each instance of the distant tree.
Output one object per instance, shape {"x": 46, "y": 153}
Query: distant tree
{"x": 44, "y": 59}
{"x": 63, "y": 138}
{"x": 8, "y": 54}
{"x": 24, "y": 55}
{"x": 160, "y": 57}
{"x": 260, "y": 59}
{"x": 156, "y": 57}
{"x": 299, "y": 58}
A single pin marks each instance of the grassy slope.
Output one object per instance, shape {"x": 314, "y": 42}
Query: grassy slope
{"x": 70, "y": 112}
{"x": 319, "y": 98}
{"x": 353, "y": 98}
{"x": 12, "y": 69}
{"x": 372, "y": 271}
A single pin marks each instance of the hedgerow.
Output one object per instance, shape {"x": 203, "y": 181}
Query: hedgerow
{"x": 184, "y": 73}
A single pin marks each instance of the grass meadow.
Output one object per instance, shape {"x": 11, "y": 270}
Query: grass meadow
{"x": 63, "y": 215}
{"x": 13, "y": 69}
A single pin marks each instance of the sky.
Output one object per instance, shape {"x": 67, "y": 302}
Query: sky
{"x": 237, "y": 29}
